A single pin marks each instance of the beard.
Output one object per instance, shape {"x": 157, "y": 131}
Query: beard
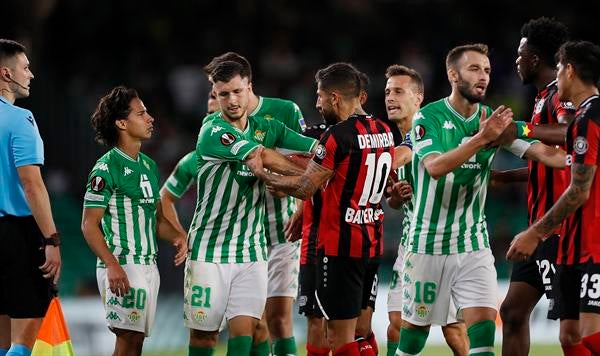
{"x": 329, "y": 116}
{"x": 466, "y": 92}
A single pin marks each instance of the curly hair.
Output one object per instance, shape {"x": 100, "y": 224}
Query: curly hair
{"x": 545, "y": 36}
{"x": 111, "y": 107}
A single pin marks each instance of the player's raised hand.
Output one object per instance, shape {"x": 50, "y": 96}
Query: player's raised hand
{"x": 52, "y": 264}
{"x": 181, "y": 248}
{"x": 117, "y": 279}
{"x": 401, "y": 191}
{"x": 523, "y": 245}
{"x": 255, "y": 163}
{"x": 293, "y": 227}
{"x": 490, "y": 128}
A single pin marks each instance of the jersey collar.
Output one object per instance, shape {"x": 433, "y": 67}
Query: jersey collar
{"x": 126, "y": 156}
{"x": 258, "y": 107}
{"x": 4, "y": 100}
{"x": 447, "y": 102}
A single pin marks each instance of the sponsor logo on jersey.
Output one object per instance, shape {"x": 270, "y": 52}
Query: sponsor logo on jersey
{"x": 302, "y": 124}
{"x": 113, "y": 301}
{"x": 227, "y": 138}
{"x": 31, "y": 121}
{"x": 538, "y": 106}
{"x": 375, "y": 140}
{"x": 471, "y": 165}
{"x": 302, "y": 300}
{"x": 268, "y": 117}
{"x": 93, "y": 197}
{"x": 112, "y": 316}
{"x": 134, "y": 316}
{"x": 146, "y": 201}
{"x": 127, "y": 171}
{"x": 419, "y": 132}
{"x": 215, "y": 130}
{"x": 406, "y": 311}
{"x": 259, "y": 135}
{"x": 363, "y": 216}
{"x": 320, "y": 152}
{"x": 580, "y": 146}
{"x": 448, "y": 125}
{"x": 97, "y": 184}
{"x": 102, "y": 167}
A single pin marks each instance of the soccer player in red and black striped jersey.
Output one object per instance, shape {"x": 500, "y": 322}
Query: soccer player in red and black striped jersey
{"x": 577, "y": 280}
{"x": 530, "y": 279}
{"x": 352, "y": 162}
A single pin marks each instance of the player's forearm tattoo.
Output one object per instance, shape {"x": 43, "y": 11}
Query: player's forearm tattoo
{"x": 575, "y": 196}
{"x": 302, "y": 186}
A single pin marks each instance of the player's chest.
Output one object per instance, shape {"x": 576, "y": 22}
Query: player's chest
{"x": 138, "y": 185}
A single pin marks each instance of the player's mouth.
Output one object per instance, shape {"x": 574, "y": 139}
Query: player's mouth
{"x": 480, "y": 88}
{"x": 392, "y": 109}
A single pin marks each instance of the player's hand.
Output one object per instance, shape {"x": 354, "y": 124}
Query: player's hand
{"x": 181, "y": 248}
{"x": 401, "y": 191}
{"x": 293, "y": 227}
{"x": 255, "y": 163}
{"x": 490, "y": 128}
{"x": 506, "y": 137}
{"x": 117, "y": 279}
{"x": 52, "y": 265}
{"x": 523, "y": 245}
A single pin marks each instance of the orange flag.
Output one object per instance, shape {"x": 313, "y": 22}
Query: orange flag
{"x": 53, "y": 338}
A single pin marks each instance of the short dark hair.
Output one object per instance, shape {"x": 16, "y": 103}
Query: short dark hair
{"x": 343, "y": 77}
{"x": 456, "y": 52}
{"x": 229, "y": 57}
{"x": 415, "y": 77}
{"x": 584, "y": 56}
{"x": 9, "y": 49}
{"x": 365, "y": 81}
{"x": 544, "y": 36}
{"x": 225, "y": 71}
{"x": 112, "y": 107}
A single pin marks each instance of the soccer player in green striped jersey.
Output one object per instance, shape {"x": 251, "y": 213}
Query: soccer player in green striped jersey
{"x": 404, "y": 92}
{"x": 448, "y": 233}
{"x": 122, "y": 216}
{"x": 226, "y": 274}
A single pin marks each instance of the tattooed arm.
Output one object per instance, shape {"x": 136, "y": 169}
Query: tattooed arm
{"x": 582, "y": 177}
{"x": 278, "y": 163}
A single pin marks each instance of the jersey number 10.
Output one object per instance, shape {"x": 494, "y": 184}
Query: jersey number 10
{"x": 377, "y": 174}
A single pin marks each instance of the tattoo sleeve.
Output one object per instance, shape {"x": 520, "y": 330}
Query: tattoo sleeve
{"x": 303, "y": 186}
{"x": 575, "y": 196}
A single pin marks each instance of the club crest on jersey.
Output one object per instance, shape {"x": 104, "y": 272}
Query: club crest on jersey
{"x": 320, "y": 152}
{"x": 539, "y": 105}
{"x": 580, "y": 146}
{"x": 97, "y": 184}
{"x": 419, "y": 132}
{"x": 259, "y": 135}
{"x": 227, "y": 138}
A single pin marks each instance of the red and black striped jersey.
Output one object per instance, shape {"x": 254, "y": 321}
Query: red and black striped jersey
{"x": 545, "y": 185}
{"x": 360, "y": 151}
{"x": 581, "y": 228}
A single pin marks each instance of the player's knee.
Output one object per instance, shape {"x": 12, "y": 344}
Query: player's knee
{"x": 569, "y": 336}
{"x": 279, "y": 323}
{"x": 202, "y": 338}
{"x": 513, "y": 314}
{"x": 363, "y": 329}
{"x": 261, "y": 333}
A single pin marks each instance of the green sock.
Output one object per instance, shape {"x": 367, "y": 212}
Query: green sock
{"x": 262, "y": 349}
{"x": 284, "y": 347}
{"x": 200, "y": 351}
{"x": 239, "y": 346}
{"x": 481, "y": 338}
{"x": 392, "y": 346}
{"x": 412, "y": 341}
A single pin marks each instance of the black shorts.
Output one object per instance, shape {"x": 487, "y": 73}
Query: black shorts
{"x": 24, "y": 292}
{"x": 345, "y": 286}
{"x": 538, "y": 271}
{"x": 307, "y": 303}
{"x": 577, "y": 289}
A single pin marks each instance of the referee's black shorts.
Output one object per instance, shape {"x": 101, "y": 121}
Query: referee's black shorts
{"x": 24, "y": 292}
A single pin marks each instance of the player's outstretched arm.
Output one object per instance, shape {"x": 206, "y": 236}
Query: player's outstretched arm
{"x": 175, "y": 234}
{"x": 39, "y": 203}
{"x": 438, "y": 165}
{"x": 552, "y": 134}
{"x": 402, "y": 156}
{"x": 547, "y": 155}
{"x": 278, "y": 163}
{"x": 90, "y": 226}
{"x": 578, "y": 192}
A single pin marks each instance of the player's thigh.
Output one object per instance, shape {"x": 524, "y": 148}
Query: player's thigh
{"x": 589, "y": 317}
{"x": 394, "y": 302}
{"x": 284, "y": 262}
{"x": 546, "y": 262}
{"x": 307, "y": 282}
{"x": 206, "y": 293}
{"x": 248, "y": 290}
{"x": 136, "y": 310}
{"x": 426, "y": 282}
{"x": 566, "y": 288}
{"x": 476, "y": 282}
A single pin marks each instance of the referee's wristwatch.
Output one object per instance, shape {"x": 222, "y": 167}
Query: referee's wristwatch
{"x": 53, "y": 240}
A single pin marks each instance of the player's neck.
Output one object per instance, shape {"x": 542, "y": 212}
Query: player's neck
{"x": 253, "y": 101}
{"x": 582, "y": 92}
{"x": 461, "y": 105}
{"x": 8, "y": 94}
{"x": 240, "y": 123}
{"x": 545, "y": 77}
{"x": 130, "y": 147}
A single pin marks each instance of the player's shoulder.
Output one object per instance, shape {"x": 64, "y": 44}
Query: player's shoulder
{"x": 434, "y": 110}
{"x": 590, "y": 109}
{"x": 105, "y": 163}
{"x": 148, "y": 161}
{"x": 215, "y": 126}
{"x": 21, "y": 117}
{"x": 190, "y": 156}
{"x": 278, "y": 103}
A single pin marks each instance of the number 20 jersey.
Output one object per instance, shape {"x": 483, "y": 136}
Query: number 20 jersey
{"x": 360, "y": 151}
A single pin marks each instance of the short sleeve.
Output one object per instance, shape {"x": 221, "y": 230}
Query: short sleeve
{"x": 26, "y": 143}
{"x": 220, "y": 141}
{"x": 327, "y": 150}
{"x": 183, "y": 175}
{"x": 425, "y": 136}
{"x": 585, "y": 144}
{"x": 297, "y": 123}
{"x": 100, "y": 187}
{"x": 291, "y": 140}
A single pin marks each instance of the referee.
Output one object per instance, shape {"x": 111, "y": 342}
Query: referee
{"x": 29, "y": 253}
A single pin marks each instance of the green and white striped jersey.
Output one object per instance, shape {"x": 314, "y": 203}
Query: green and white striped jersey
{"x": 128, "y": 191}
{"x": 404, "y": 173}
{"x": 449, "y": 212}
{"x": 228, "y": 222}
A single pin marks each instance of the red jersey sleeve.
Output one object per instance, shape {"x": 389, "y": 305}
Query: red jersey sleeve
{"x": 327, "y": 150}
{"x": 585, "y": 145}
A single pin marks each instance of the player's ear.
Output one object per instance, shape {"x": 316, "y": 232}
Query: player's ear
{"x": 569, "y": 70}
{"x": 120, "y": 124}
{"x": 452, "y": 75}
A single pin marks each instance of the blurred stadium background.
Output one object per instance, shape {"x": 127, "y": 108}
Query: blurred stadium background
{"x": 80, "y": 49}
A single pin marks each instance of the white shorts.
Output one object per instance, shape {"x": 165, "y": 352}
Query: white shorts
{"x": 394, "y": 302}
{"x": 136, "y": 310}
{"x": 284, "y": 266}
{"x": 217, "y": 292}
{"x": 431, "y": 283}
